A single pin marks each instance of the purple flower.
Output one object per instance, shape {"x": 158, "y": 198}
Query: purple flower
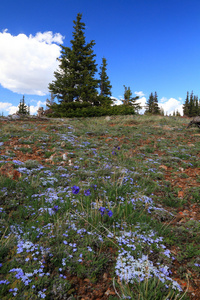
{"x": 87, "y": 192}
{"x": 109, "y": 212}
{"x": 114, "y": 153}
{"x": 55, "y": 208}
{"x": 75, "y": 190}
{"x": 102, "y": 210}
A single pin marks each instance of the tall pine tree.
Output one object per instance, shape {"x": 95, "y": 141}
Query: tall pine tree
{"x": 74, "y": 81}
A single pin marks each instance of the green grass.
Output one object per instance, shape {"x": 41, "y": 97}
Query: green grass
{"x": 120, "y": 220}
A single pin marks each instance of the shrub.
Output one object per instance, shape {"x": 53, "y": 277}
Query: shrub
{"x": 76, "y": 109}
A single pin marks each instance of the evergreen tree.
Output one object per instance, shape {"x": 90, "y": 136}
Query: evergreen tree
{"x": 196, "y": 105}
{"x": 104, "y": 85}
{"x": 191, "y": 107}
{"x": 149, "y": 105}
{"x": 23, "y": 109}
{"x": 152, "y": 105}
{"x": 156, "y": 109}
{"x": 74, "y": 81}
{"x": 127, "y": 95}
{"x": 186, "y": 106}
{"x": 129, "y": 100}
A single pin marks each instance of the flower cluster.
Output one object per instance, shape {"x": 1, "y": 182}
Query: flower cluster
{"x": 104, "y": 211}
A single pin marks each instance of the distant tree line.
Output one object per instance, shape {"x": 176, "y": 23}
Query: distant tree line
{"x": 191, "y": 107}
{"x": 75, "y": 86}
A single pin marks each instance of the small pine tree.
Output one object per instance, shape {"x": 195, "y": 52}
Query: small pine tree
{"x": 129, "y": 100}
{"x": 149, "y": 105}
{"x": 156, "y": 108}
{"x": 23, "y": 109}
{"x": 152, "y": 105}
{"x": 104, "y": 85}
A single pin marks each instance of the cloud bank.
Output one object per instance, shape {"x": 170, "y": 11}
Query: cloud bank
{"x": 27, "y": 63}
{"x": 7, "y": 108}
{"x": 169, "y": 105}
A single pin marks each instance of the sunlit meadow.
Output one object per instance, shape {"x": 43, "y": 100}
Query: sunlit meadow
{"x": 81, "y": 198}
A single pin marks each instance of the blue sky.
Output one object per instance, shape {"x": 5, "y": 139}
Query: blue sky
{"x": 150, "y": 45}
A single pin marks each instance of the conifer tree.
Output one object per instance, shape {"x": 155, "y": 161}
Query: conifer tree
{"x": 104, "y": 85}
{"x": 74, "y": 81}
{"x": 23, "y": 109}
{"x": 156, "y": 109}
{"x": 186, "y": 106}
{"x": 152, "y": 105}
{"x": 149, "y": 104}
{"x": 129, "y": 100}
{"x": 191, "y": 107}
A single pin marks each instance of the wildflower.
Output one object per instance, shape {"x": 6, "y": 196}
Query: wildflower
{"x": 75, "y": 190}
{"x": 41, "y": 294}
{"x": 55, "y": 208}
{"x": 110, "y": 213}
{"x": 4, "y": 281}
{"x": 87, "y": 192}
{"x": 102, "y": 210}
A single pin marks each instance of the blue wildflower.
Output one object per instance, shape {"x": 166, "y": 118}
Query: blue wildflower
{"x": 109, "y": 212}
{"x": 75, "y": 190}
{"x": 87, "y": 192}
{"x": 55, "y": 208}
{"x": 102, "y": 210}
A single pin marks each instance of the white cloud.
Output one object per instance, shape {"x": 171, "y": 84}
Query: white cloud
{"x": 27, "y": 63}
{"x": 140, "y": 94}
{"x": 7, "y": 108}
{"x": 116, "y": 101}
{"x": 142, "y": 101}
{"x": 171, "y": 105}
{"x": 163, "y": 99}
{"x": 33, "y": 109}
